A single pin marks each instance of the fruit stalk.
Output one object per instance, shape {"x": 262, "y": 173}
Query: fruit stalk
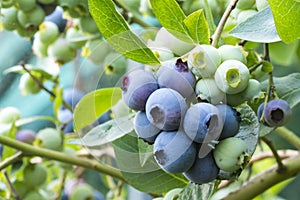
{"x": 216, "y": 36}
{"x": 265, "y": 180}
{"x": 10, "y": 160}
{"x": 30, "y": 150}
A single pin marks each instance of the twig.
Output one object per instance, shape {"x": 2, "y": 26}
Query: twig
{"x": 283, "y": 154}
{"x": 30, "y": 150}
{"x": 13, "y": 189}
{"x": 266, "y": 179}
{"x": 289, "y": 136}
{"x": 10, "y": 160}
{"x": 216, "y": 36}
{"x": 281, "y": 167}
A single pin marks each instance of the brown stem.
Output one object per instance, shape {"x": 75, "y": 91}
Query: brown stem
{"x": 13, "y": 189}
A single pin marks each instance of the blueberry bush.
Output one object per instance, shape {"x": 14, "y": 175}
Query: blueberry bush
{"x": 149, "y": 99}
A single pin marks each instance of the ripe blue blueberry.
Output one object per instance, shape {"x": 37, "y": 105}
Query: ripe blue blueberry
{"x": 26, "y": 135}
{"x": 177, "y": 76}
{"x": 174, "y": 151}
{"x": 165, "y": 109}
{"x": 203, "y": 170}
{"x": 203, "y": 123}
{"x": 72, "y": 96}
{"x": 231, "y": 120}
{"x": 137, "y": 86}
{"x": 144, "y": 129}
{"x": 57, "y": 18}
{"x": 277, "y": 113}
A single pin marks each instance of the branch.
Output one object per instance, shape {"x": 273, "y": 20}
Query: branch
{"x": 216, "y": 36}
{"x": 266, "y": 179}
{"x": 289, "y": 136}
{"x": 30, "y": 150}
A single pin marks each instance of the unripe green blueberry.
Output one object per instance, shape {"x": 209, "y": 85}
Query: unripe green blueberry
{"x": 27, "y": 32}
{"x": 173, "y": 194}
{"x": 49, "y": 138}
{"x": 261, "y": 4}
{"x": 7, "y": 3}
{"x": 35, "y": 174}
{"x": 203, "y": 60}
{"x": 38, "y": 47}
{"x": 88, "y": 24}
{"x": 230, "y": 52}
{"x": 74, "y": 37}
{"x": 245, "y": 14}
{"x": 48, "y": 32}
{"x": 33, "y": 18}
{"x": 28, "y": 85}
{"x": 20, "y": 187}
{"x": 26, "y": 5}
{"x": 162, "y": 54}
{"x": 34, "y": 195}
{"x": 9, "y": 18}
{"x": 207, "y": 90}
{"x": 61, "y": 51}
{"x": 231, "y": 154}
{"x": 75, "y": 8}
{"x": 96, "y": 50}
{"x": 232, "y": 76}
{"x": 115, "y": 63}
{"x": 252, "y": 93}
{"x": 9, "y": 115}
{"x": 245, "y": 4}
{"x": 46, "y": 1}
{"x": 82, "y": 191}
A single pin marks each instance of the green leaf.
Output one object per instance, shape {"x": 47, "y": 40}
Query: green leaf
{"x": 257, "y": 28}
{"x": 286, "y": 15}
{"x": 196, "y": 191}
{"x": 92, "y": 105}
{"x": 106, "y": 132}
{"x": 282, "y": 53}
{"x": 148, "y": 178}
{"x": 117, "y": 32}
{"x": 145, "y": 151}
{"x": 287, "y": 88}
{"x": 198, "y": 27}
{"x": 58, "y": 101}
{"x": 171, "y": 16}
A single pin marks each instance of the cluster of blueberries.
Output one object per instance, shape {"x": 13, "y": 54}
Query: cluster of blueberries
{"x": 182, "y": 135}
{"x": 190, "y": 136}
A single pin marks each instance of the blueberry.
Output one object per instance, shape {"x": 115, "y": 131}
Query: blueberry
{"x": 203, "y": 170}
{"x": 203, "y": 60}
{"x": 231, "y": 120}
{"x": 66, "y": 116}
{"x": 277, "y": 113}
{"x": 174, "y": 151}
{"x": 203, "y": 122}
{"x": 49, "y": 138}
{"x": 165, "y": 109}
{"x": 57, "y": 18}
{"x": 27, "y": 136}
{"x": 9, "y": 115}
{"x": 104, "y": 117}
{"x": 34, "y": 174}
{"x": 207, "y": 90}
{"x": 144, "y": 129}
{"x": 72, "y": 96}
{"x": 137, "y": 86}
{"x": 231, "y": 154}
{"x": 230, "y": 52}
{"x": 177, "y": 76}
{"x": 232, "y": 76}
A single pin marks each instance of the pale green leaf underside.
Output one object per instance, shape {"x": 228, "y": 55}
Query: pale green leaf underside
{"x": 258, "y": 28}
{"x": 92, "y": 105}
{"x": 287, "y": 88}
{"x": 286, "y": 15}
{"x": 198, "y": 27}
{"x": 196, "y": 191}
{"x": 117, "y": 32}
{"x": 106, "y": 132}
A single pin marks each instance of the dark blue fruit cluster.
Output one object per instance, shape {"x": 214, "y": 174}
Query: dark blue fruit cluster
{"x": 276, "y": 113}
{"x": 183, "y": 134}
